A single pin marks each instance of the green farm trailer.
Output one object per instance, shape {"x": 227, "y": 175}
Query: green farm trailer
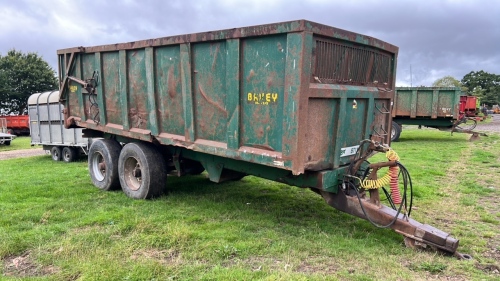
{"x": 294, "y": 102}
{"x": 433, "y": 107}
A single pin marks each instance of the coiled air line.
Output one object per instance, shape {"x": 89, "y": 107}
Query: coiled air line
{"x": 390, "y": 178}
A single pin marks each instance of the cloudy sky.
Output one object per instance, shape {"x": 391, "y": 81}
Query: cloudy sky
{"x": 435, "y": 38}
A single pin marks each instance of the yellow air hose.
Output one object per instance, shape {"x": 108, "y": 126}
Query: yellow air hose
{"x": 390, "y": 178}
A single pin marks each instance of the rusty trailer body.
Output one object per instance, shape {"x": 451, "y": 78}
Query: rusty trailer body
{"x": 433, "y": 107}
{"x": 290, "y": 102}
{"x": 248, "y": 94}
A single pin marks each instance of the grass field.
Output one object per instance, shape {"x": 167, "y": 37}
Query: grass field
{"x": 18, "y": 143}
{"x": 55, "y": 225}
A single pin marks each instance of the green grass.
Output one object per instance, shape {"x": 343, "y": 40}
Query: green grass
{"x": 56, "y": 226}
{"x": 18, "y": 143}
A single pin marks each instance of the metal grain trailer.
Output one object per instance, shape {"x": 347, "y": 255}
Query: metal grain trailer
{"x": 433, "y": 107}
{"x": 47, "y": 128}
{"x": 294, "y": 102}
{"x": 17, "y": 124}
{"x": 469, "y": 105}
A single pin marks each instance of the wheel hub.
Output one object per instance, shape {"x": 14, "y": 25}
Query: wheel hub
{"x": 132, "y": 173}
{"x": 99, "y": 167}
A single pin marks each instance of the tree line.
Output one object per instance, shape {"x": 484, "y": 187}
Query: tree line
{"x": 21, "y": 75}
{"x": 482, "y": 84}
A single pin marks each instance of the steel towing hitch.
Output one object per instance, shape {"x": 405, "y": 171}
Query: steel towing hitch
{"x": 383, "y": 215}
{"x": 359, "y": 196}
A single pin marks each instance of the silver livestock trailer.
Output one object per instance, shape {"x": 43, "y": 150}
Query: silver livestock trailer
{"x": 47, "y": 128}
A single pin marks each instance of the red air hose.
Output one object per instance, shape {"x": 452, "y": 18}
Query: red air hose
{"x": 394, "y": 173}
{"x": 395, "y": 194}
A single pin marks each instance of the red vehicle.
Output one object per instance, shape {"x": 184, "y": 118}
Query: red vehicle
{"x": 468, "y": 105}
{"x": 18, "y": 124}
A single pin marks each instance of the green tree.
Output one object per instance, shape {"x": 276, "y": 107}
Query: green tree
{"x": 20, "y": 76}
{"x": 447, "y": 81}
{"x": 483, "y": 84}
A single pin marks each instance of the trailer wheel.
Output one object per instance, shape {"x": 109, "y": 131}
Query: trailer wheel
{"x": 103, "y": 164}
{"x": 142, "y": 171}
{"x": 395, "y": 131}
{"x": 68, "y": 154}
{"x": 55, "y": 152}
{"x": 7, "y": 142}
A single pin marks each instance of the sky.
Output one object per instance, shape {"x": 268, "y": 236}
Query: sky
{"x": 436, "y": 38}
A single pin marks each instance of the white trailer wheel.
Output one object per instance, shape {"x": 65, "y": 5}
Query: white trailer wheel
{"x": 142, "y": 171}
{"x": 103, "y": 164}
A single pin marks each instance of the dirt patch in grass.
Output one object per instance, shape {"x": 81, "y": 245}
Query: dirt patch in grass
{"x": 165, "y": 257}
{"x": 491, "y": 204}
{"x": 443, "y": 278}
{"x": 264, "y": 263}
{"x": 270, "y": 264}
{"x": 4, "y": 155}
{"x": 308, "y": 267}
{"x": 24, "y": 266}
{"x": 428, "y": 270}
{"x": 489, "y": 268}
{"x": 493, "y": 253}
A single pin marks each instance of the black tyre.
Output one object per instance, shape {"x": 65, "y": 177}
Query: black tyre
{"x": 7, "y": 142}
{"x": 69, "y": 154}
{"x": 395, "y": 131}
{"x": 55, "y": 152}
{"x": 142, "y": 171}
{"x": 103, "y": 164}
